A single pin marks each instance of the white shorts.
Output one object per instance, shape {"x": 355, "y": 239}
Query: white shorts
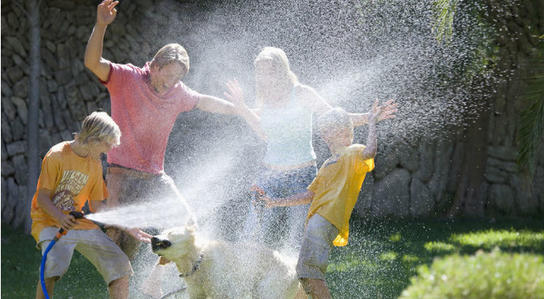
{"x": 93, "y": 244}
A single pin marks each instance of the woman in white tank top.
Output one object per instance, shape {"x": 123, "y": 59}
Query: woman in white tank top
{"x": 283, "y": 119}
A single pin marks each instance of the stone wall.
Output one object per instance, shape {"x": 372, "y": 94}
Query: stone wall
{"x": 68, "y": 91}
{"x": 421, "y": 181}
{"x": 65, "y": 93}
{"x": 411, "y": 180}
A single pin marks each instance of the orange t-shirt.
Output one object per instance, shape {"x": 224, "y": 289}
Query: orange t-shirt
{"x": 73, "y": 180}
{"x": 336, "y": 188}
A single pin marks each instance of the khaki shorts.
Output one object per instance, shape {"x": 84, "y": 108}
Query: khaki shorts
{"x": 316, "y": 245}
{"x": 100, "y": 250}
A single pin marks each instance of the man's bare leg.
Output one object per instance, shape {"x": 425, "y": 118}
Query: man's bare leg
{"x": 119, "y": 288}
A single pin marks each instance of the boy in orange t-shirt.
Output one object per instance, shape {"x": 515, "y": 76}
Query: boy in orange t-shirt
{"x": 71, "y": 175}
{"x": 332, "y": 195}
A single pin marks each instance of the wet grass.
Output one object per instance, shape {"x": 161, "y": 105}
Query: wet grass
{"x": 378, "y": 262}
{"x": 382, "y": 256}
{"x": 20, "y": 270}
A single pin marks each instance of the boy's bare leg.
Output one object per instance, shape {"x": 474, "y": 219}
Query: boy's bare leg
{"x": 316, "y": 288}
{"x": 119, "y": 288}
{"x": 49, "y": 285}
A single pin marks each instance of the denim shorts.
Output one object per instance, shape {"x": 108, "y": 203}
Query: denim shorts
{"x": 282, "y": 227}
{"x": 316, "y": 246}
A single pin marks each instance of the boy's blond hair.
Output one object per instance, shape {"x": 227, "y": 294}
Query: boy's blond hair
{"x": 99, "y": 126}
{"x": 279, "y": 60}
{"x": 334, "y": 118}
{"x": 171, "y": 53}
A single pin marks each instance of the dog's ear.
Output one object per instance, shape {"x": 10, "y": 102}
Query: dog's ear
{"x": 191, "y": 225}
{"x": 192, "y": 222}
{"x": 191, "y": 228}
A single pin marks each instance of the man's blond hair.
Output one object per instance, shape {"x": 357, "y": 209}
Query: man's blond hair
{"x": 171, "y": 53}
{"x": 334, "y": 118}
{"x": 279, "y": 60}
{"x": 99, "y": 126}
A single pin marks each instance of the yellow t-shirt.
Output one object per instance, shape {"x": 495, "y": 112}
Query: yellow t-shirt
{"x": 336, "y": 188}
{"x": 73, "y": 180}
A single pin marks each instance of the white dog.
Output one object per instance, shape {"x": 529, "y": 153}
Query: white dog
{"x": 213, "y": 269}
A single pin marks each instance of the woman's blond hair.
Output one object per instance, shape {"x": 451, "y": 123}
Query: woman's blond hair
{"x": 171, "y": 53}
{"x": 99, "y": 126}
{"x": 278, "y": 58}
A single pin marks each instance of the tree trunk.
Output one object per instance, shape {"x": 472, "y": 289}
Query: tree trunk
{"x": 473, "y": 164}
{"x": 33, "y": 107}
{"x": 518, "y": 26}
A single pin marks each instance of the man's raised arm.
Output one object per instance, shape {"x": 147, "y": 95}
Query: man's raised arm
{"x": 105, "y": 14}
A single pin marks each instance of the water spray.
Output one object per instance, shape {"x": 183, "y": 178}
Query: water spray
{"x": 60, "y": 233}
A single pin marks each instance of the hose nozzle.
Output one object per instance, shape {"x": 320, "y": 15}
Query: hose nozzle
{"x": 77, "y": 215}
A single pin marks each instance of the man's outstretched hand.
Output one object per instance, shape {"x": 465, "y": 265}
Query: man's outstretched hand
{"x": 139, "y": 235}
{"x": 234, "y": 93}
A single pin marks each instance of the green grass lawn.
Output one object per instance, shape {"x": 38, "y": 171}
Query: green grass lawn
{"x": 378, "y": 262}
{"x": 21, "y": 264}
{"x": 382, "y": 256}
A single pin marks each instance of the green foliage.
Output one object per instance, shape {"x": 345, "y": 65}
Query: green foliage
{"x": 492, "y": 275}
{"x": 444, "y": 15}
{"x": 482, "y": 58}
{"x": 531, "y": 130}
{"x": 485, "y": 55}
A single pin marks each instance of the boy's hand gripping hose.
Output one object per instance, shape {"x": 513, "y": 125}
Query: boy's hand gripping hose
{"x": 60, "y": 233}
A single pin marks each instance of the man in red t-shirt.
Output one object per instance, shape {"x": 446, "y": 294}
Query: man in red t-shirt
{"x": 145, "y": 102}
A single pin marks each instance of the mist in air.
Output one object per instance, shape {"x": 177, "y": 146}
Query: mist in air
{"x": 351, "y": 52}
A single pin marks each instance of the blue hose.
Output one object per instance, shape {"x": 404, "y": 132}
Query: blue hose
{"x": 42, "y": 266}
{"x": 77, "y": 215}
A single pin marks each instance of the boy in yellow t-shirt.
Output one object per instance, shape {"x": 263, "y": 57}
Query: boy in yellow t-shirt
{"x": 332, "y": 194}
{"x": 71, "y": 175}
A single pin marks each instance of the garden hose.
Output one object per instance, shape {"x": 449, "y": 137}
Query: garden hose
{"x": 60, "y": 233}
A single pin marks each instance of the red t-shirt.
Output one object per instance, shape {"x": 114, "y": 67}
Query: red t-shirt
{"x": 144, "y": 117}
